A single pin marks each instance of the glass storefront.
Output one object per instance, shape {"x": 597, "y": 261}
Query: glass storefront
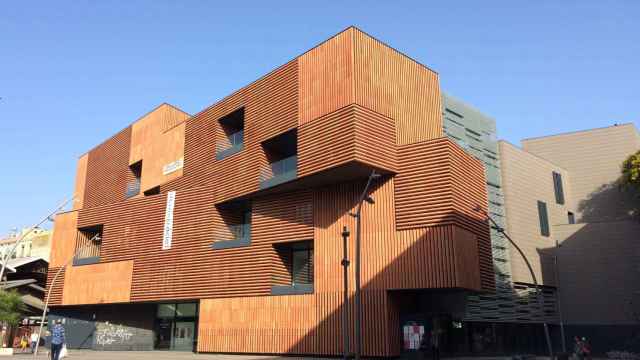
{"x": 175, "y": 326}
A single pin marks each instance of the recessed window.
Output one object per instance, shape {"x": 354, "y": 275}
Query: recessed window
{"x": 88, "y": 244}
{"x": 571, "y": 218}
{"x": 235, "y": 229}
{"x": 133, "y": 185}
{"x": 293, "y": 268}
{"x": 282, "y": 155}
{"x": 544, "y": 218}
{"x": 153, "y": 191}
{"x": 557, "y": 187}
{"x": 231, "y": 140}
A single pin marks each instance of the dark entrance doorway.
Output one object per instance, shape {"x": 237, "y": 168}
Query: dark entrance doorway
{"x": 176, "y": 327}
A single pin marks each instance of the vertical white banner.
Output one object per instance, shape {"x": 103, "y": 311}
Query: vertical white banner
{"x": 168, "y": 221}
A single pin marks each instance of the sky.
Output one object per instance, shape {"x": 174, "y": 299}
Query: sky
{"x": 74, "y": 73}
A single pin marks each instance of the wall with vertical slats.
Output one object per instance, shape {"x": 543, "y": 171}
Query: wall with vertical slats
{"x": 390, "y": 83}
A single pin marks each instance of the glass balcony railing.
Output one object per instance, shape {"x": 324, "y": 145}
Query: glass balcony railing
{"x": 230, "y": 145}
{"x": 133, "y": 188}
{"x": 279, "y": 172}
{"x": 233, "y": 236}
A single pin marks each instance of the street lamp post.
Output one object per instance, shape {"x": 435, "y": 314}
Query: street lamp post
{"x": 345, "y": 301}
{"x": 533, "y": 275}
{"x": 96, "y": 238}
{"x": 363, "y": 197}
{"x": 7, "y": 256}
{"x": 557, "y": 273}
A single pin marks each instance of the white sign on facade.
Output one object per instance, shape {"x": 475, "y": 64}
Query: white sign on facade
{"x": 168, "y": 221}
{"x": 173, "y": 166}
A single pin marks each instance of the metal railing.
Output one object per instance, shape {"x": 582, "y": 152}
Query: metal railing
{"x": 279, "y": 171}
{"x": 133, "y": 188}
{"x": 230, "y": 144}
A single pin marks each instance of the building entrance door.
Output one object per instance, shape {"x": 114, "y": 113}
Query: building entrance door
{"x": 184, "y": 335}
{"x": 175, "y": 327}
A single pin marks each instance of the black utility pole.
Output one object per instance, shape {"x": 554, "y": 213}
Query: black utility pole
{"x": 363, "y": 197}
{"x": 345, "y": 301}
{"x": 533, "y": 276}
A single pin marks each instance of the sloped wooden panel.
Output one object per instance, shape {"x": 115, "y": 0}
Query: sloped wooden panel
{"x": 63, "y": 239}
{"x": 80, "y": 183}
{"x": 107, "y": 171}
{"x": 55, "y": 297}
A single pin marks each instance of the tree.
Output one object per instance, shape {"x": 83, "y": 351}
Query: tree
{"x": 11, "y": 307}
{"x": 631, "y": 172}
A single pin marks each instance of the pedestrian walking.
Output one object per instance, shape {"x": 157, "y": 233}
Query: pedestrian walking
{"x": 57, "y": 340}
{"x": 34, "y": 341}
{"x": 23, "y": 343}
{"x": 577, "y": 348}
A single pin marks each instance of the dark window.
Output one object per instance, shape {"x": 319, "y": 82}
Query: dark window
{"x": 557, "y": 187}
{"x": 571, "y": 218}
{"x": 293, "y": 273}
{"x": 544, "y": 218}
{"x": 153, "y": 191}
{"x": 88, "y": 244}
{"x": 232, "y": 139}
{"x": 282, "y": 154}
{"x": 133, "y": 185}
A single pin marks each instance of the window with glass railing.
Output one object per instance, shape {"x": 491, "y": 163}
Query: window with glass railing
{"x": 282, "y": 156}
{"x": 231, "y": 138}
{"x": 235, "y": 229}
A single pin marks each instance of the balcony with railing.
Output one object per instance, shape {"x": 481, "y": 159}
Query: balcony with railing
{"x": 279, "y": 172}
{"x": 231, "y": 235}
{"x": 230, "y": 145}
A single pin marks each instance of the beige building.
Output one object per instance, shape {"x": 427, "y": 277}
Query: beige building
{"x": 36, "y": 243}
{"x": 591, "y": 220}
{"x": 529, "y": 189}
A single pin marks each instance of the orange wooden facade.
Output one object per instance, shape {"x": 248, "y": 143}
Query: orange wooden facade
{"x": 357, "y": 105}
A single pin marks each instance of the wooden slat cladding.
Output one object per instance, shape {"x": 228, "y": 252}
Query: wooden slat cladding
{"x": 80, "y": 183}
{"x": 439, "y": 184}
{"x": 283, "y": 217}
{"x": 327, "y": 142}
{"x": 326, "y": 77}
{"x": 388, "y": 82}
{"x": 375, "y": 139}
{"x": 107, "y": 171}
{"x": 349, "y": 134}
{"x": 153, "y": 124}
{"x": 98, "y": 283}
{"x": 63, "y": 240}
{"x": 56, "y": 292}
{"x": 270, "y": 108}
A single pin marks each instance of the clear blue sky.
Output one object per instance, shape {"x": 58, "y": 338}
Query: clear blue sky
{"x": 74, "y": 73}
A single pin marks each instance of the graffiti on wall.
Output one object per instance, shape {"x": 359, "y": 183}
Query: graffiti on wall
{"x": 109, "y": 334}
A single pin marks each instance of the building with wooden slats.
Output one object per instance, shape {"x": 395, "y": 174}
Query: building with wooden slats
{"x": 221, "y": 231}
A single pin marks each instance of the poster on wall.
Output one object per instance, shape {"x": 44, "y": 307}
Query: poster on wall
{"x": 413, "y": 336}
{"x": 168, "y": 221}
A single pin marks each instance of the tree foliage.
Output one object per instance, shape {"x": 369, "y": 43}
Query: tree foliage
{"x": 631, "y": 172}
{"x": 11, "y": 307}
